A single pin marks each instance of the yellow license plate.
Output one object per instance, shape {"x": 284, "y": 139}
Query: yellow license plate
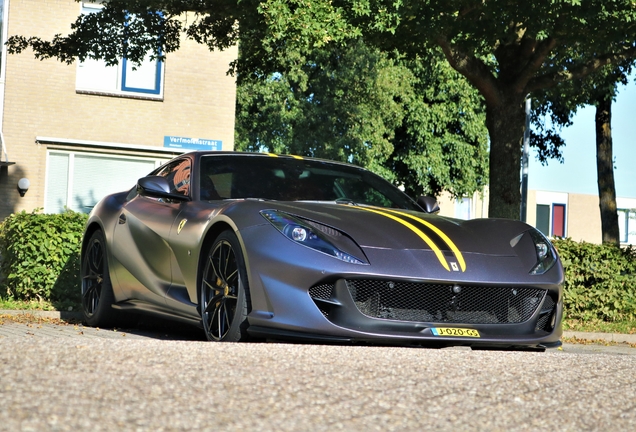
{"x": 451, "y": 331}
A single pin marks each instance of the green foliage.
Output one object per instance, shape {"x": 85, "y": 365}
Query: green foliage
{"x": 40, "y": 256}
{"x": 442, "y": 143}
{"x": 12, "y": 304}
{"x": 600, "y": 281}
{"x": 598, "y": 326}
{"x": 40, "y": 263}
{"x": 418, "y": 123}
{"x": 505, "y": 49}
{"x": 343, "y": 104}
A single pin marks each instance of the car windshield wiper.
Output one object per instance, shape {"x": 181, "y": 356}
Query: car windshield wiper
{"x": 346, "y": 201}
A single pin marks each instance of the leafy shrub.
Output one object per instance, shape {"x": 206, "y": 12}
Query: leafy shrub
{"x": 40, "y": 256}
{"x": 600, "y": 281}
{"x": 40, "y": 260}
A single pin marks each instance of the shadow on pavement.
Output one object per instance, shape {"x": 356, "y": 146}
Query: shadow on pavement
{"x": 163, "y": 329}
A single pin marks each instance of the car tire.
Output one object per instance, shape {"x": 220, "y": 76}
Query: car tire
{"x": 223, "y": 291}
{"x": 97, "y": 291}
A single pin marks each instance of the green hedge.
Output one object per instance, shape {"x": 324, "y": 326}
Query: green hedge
{"x": 40, "y": 256}
{"x": 600, "y": 281}
{"x": 39, "y": 260}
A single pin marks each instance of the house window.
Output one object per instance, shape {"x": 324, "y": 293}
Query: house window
{"x": 627, "y": 225}
{"x": 543, "y": 218}
{"x": 77, "y": 180}
{"x": 558, "y": 220}
{"x": 551, "y": 219}
{"x": 124, "y": 79}
{"x": 463, "y": 208}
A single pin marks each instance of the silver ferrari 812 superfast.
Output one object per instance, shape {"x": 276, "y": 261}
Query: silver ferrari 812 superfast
{"x": 263, "y": 246}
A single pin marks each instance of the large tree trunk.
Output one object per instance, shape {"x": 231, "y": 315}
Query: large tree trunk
{"x": 506, "y": 123}
{"x": 605, "y": 170}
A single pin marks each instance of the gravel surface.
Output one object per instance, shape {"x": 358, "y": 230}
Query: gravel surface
{"x": 104, "y": 380}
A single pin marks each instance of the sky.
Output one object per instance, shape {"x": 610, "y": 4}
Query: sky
{"x": 578, "y": 172}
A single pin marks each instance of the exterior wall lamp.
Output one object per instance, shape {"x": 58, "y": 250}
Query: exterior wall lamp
{"x": 23, "y": 186}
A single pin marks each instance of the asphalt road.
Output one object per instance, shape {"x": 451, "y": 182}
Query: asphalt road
{"x": 68, "y": 377}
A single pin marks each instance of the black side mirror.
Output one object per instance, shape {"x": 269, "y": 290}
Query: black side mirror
{"x": 157, "y": 187}
{"x": 428, "y": 204}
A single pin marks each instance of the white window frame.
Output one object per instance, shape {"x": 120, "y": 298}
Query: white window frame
{"x": 3, "y": 69}
{"x": 158, "y": 161}
{"x": 627, "y": 205}
{"x": 5, "y": 36}
{"x": 460, "y": 202}
{"x": 551, "y": 199}
{"x": 123, "y": 70}
{"x": 623, "y": 228}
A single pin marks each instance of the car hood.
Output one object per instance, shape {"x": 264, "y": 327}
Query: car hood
{"x": 376, "y": 227}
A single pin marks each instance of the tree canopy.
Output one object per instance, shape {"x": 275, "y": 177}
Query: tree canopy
{"x": 506, "y": 49}
{"x": 344, "y": 103}
{"x": 417, "y": 123}
{"x": 509, "y": 50}
{"x": 442, "y": 143}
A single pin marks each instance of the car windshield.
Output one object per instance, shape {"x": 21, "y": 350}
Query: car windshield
{"x": 291, "y": 179}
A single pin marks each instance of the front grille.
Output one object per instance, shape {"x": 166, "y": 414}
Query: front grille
{"x": 444, "y": 303}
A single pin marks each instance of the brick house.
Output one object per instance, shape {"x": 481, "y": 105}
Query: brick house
{"x": 80, "y": 131}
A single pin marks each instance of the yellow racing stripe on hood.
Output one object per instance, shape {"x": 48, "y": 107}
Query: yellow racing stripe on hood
{"x": 416, "y": 230}
{"x": 440, "y": 233}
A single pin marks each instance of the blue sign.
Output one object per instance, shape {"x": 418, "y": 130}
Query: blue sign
{"x": 191, "y": 143}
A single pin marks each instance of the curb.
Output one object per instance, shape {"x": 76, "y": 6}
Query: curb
{"x": 608, "y": 337}
{"x": 74, "y": 315}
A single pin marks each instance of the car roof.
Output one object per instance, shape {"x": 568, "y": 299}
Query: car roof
{"x": 198, "y": 153}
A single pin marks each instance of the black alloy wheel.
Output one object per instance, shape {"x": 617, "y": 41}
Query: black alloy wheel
{"x": 224, "y": 295}
{"x": 97, "y": 293}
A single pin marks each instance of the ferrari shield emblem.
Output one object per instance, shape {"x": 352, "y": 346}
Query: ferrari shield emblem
{"x": 181, "y": 225}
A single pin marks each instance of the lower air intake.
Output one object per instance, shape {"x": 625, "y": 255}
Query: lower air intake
{"x": 545, "y": 321}
{"x": 444, "y": 303}
{"x": 322, "y": 292}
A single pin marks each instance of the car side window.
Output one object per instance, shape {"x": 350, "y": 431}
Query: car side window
{"x": 178, "y": 176}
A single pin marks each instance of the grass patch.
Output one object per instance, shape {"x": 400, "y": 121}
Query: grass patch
{"x": 598, "y": 326}
{"x": 579, "y": 341}
{"x": 42, "y": 305}
{"x": 34, "y": 320}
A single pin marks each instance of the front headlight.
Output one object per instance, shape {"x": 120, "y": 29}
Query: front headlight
{"x": 546, "y": 255}
{"x": 316, "y": 236}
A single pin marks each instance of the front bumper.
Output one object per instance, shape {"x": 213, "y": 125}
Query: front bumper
{"x": 307, "y": 295}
